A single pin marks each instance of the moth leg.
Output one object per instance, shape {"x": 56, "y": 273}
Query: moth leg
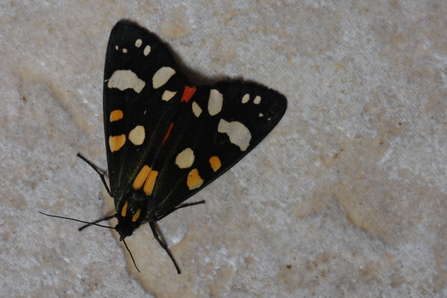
{"x": 97, "y": 170}
{"x": 188, "y": 204}
{"x": 180, "y": 207}
{"x": 163, "y": 245}
{"x": 96, "y": 221}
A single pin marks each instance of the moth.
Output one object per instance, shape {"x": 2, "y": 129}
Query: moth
{"x": 166, "y": 139}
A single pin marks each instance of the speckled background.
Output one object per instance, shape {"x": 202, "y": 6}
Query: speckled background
{"x": 346, "y": 198}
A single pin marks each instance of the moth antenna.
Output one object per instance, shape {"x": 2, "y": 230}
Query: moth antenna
{"x": 130, "y": 253}
{"x": 95, "y": 223}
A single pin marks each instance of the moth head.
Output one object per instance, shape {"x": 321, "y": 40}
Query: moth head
{"x": 131, "y": 214}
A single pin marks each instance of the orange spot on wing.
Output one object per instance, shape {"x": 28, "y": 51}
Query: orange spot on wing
{"x": 141, "y": 177}
{"x": 116, "y": 142}
{"x": 150, "y": 182}
{"x": 124, "y": 209}
{"x": 136, "y": 215}
{"x": 215, "y": 163}
{"x": 188, "y": 92}
{"x": 116, "y": 115}
{"x": 167, "y": 133}
{"x": 194, "y": 180}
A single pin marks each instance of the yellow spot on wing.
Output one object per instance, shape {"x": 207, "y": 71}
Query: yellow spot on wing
{"x": 124, "y": 209}
{"x": 150, "y": 183}
{"x": 194, "y": 180}
{"x": 116, "y": 115}
{"x": 141, "y": 177}
{"x": 116, "y": 142}
{"x": 215, "y": 163}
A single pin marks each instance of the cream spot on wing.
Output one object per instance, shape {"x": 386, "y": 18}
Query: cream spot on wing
{"x": 238, "y": 133}
{"x": 138, "y": 43}
{"x": 162, "y": 76}
{"x": 185, "y": 159}
{"x": 246, "y": 98}
{"x": 167, "y": 95}
{"x": 215, "y": 102}
{"x": 124, "y": 50}
{"x": 116, "y": 115}
{"x": 126, "y": 79}
{"x": 257, "y": 100}
{"x": 215, "y": 163}
{"x": 137, "y": 135}
{"x": 116, "y": 142}
{"x": 261, "y": 115}
{"x": 194, "y": 180}
{"x": 117, "y": 47}
{"x": 196, "y": 109}
{"x": 147, "y": 50}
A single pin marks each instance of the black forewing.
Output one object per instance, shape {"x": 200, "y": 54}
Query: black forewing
{"x": 202, "y": 136}
{"x": 144, "y": 108}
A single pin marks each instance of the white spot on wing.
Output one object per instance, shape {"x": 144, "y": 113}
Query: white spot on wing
{"x": 196, "y": 109}
{"x": 147, "y": 50}
{"x": 126, "y": 79}
{"x": 162, "y": 76}
{"x": 215, "y": 102}
{"x": 124, "y": 50}
{"x": 185, "y": 159}
{"x": 257, "y": 100}
{"x": 246, "y": 98}
{"x": 167, "y": 95}
{"x": 237, "y": 132}
{"x": 138, "y": 43}
{"x": 137, "y": 135}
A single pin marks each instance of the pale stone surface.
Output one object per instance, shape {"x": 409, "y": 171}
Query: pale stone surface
{"x": 346, "y": 198}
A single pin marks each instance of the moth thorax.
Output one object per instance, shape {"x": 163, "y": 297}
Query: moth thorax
{"x": 131, "y": 214}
